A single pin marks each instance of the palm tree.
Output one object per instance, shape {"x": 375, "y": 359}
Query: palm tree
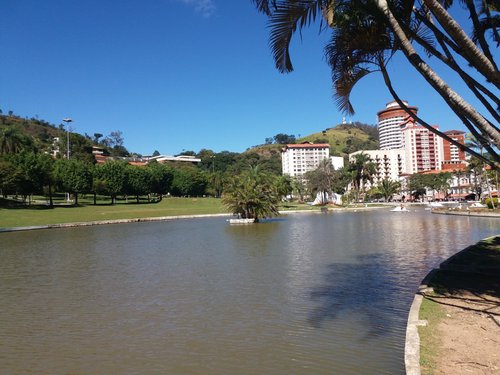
{"x": 252, "y": 194}
{"x": 366, "y": 35}
{"x": 388, "y": 188}
{"x": 363, "y": 170}
{"x": 476, "y": 144}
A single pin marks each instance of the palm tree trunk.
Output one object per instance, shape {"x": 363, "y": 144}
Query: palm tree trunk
{"x": 474, "y": 54}
{"x": 456, "y": 102}
{"x": 461, "y": 146}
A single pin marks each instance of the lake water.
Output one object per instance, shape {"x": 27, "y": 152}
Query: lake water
{"x": 302, "y": 294}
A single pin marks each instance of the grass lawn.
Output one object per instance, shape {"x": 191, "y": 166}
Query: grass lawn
{"x": 17, "y": 215}
{"x": 430, "y": 342}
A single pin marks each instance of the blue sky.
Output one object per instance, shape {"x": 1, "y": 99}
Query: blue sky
{"x": 177, "y": 75}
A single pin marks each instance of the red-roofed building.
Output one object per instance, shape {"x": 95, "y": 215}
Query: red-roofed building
{"x": 298, "y": 159}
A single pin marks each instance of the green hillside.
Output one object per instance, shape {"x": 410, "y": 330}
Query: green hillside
{"x": 37, "y": 135}
{"x": 343, "y": 140}
{"x": 32, "y": 133}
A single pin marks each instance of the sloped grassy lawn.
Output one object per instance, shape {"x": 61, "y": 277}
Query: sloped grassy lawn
{"x": 16, "y": 215}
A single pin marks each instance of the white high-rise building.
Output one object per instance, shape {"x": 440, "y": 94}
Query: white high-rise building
{"x": 390, "y": 164}
{"x": 389, "y": 125}
{"x": 298, "y": 159}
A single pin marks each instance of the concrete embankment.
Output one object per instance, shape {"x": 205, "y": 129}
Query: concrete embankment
{"x": 161, "y": 218}
{"x": 103, "y": 222}
{"x": 490, "y": 213}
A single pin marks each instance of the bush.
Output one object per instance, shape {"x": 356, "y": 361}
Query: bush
{"x": 488, "y": 203}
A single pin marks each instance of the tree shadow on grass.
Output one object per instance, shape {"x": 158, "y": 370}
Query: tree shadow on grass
{"x": 467, "y": 291}
{"x": 470, "y": 280}
{"x": 20, "y": 205}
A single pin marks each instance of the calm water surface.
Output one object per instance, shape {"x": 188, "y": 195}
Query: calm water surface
{"x": 303, "y": 294}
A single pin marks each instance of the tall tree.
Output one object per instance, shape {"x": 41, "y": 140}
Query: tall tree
{"x": 161, "y": 178}
{"x": 139, "y": 181}
{"x": 366, "y": 34}
{"x": 74, "y": 176}
{"x": 362, "y": 171}
{"x": 112, "y": 176}
{"x": 33, "y": 171}
{"x": 188, "y": 181}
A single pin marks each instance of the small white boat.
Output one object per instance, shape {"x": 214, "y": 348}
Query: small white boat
{"x": 241, "y": 221}
{"x": 478, "y": 205}
{"x": 400, "y": 209}
{"x": 436, "y": 204}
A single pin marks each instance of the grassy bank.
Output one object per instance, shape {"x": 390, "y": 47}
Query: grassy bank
{"x": 18, "y": 215}
{"x": 469, "y": 275}
{"x": 430, "y": 342}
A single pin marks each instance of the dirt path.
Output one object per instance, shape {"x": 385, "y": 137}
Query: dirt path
{"x": 470, "y": 335}
{"x": 463, "y": 333}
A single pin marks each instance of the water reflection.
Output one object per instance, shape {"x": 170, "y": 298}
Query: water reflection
{"x": 305, "y": 294}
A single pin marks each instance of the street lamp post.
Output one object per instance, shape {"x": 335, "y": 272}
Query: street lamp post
{"x": 67, "y": 120}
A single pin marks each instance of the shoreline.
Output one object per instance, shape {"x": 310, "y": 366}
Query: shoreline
{"x": 166, "y": 218}
{"x": 105, "y": 222}
{"x": 412, "y": 355}
{"x": 468, "y": 213}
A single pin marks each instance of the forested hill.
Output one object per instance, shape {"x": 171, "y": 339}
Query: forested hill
{"x": 32, "y": 134}
{"x": 38, "y": 135}
{"x": 343, "y": 139}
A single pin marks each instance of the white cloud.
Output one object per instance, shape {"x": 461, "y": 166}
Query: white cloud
{"x": 205, "y": 7}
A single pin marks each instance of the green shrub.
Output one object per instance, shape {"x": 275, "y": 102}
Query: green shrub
{"x": 488, "y": 202}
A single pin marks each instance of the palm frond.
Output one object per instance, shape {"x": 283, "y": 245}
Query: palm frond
{"x": 491, "y": 24}
{"x": 343, "y": 86}
{"x": 265, "y": 6}
{"x": 358, "y": 41}
{"x": 287, "y": 17}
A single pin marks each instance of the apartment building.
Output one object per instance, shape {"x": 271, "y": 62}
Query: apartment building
{"x": 298, "y": 159}
{"x": 423, "y": 149}
{"x": 453, "y": 157}
{"x": 390, "y": 164}
{"x": 389, "y": 125}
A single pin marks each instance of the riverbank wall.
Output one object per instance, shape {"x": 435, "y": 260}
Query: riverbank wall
{"x": 105, "y": 222}
{"x": 165, "y": 218}
{"x": 472, "y": 213}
